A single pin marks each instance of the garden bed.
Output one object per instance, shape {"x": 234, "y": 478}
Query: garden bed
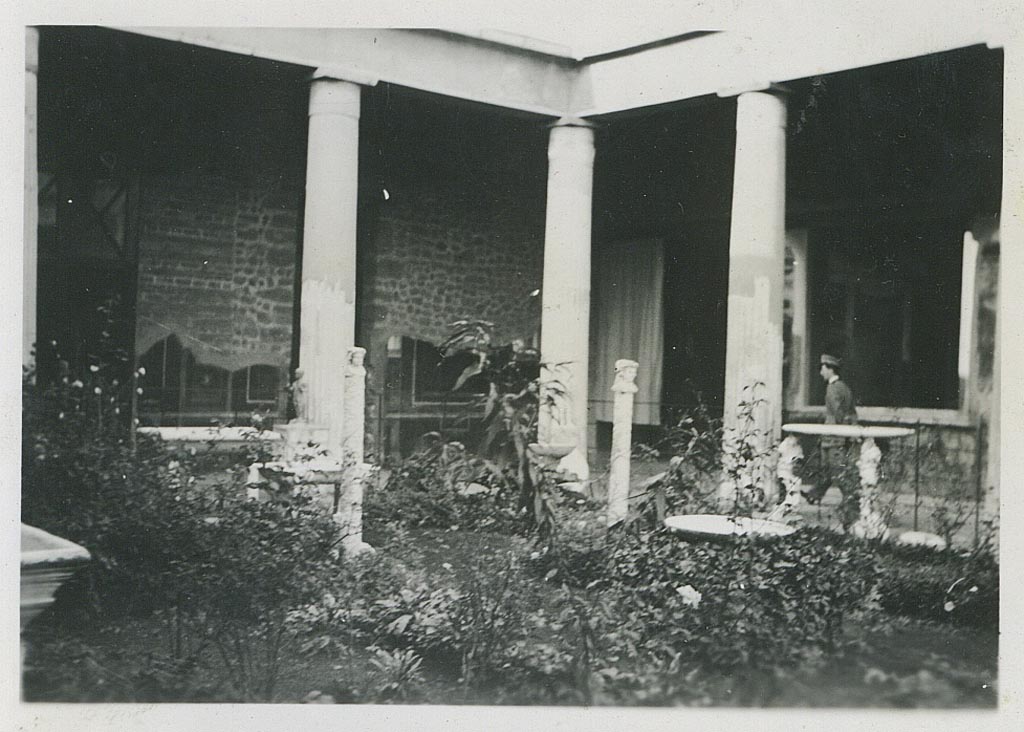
{"x": 486, "y": 588}
{"x": 911, "y": 663}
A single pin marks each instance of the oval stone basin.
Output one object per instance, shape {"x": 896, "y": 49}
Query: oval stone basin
{"x": 46, "y": 562}
{"x": 552, "y": 452}
{"x": 715, "y": 526}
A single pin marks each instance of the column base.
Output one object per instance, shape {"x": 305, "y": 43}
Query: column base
{"x": 576, "y": 462}
{"x": 357, "y": 547}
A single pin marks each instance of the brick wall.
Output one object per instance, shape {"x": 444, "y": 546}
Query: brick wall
{"x": 217, "y": 268}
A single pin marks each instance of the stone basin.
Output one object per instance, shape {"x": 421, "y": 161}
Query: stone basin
{"x": 319, "y": 470}
{"x": 47, "y": 561}
{"x": 710, "y": 526}
{"x": 551, "y": 452}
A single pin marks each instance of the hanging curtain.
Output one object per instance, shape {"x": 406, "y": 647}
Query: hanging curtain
{"x": 628, "y": 324}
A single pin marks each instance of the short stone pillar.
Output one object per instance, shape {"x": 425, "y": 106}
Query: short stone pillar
{"x": 349, "y": 514}
{"x": 871, "y": 524}
{"x": 790, "y": 455}
{"x": 355, "y": 404}
{"x": 623, "y": 388}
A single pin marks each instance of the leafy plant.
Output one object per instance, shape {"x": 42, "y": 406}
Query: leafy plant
{"x": 444, "y": 487}
{"x": 762, "y": 603}
{"x": 514, "y": 398}
{"x": 398, "y": 674}
{"x": 945, "y": 586}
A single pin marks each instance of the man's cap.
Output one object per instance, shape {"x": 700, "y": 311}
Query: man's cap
{"x": 829, "y": 360}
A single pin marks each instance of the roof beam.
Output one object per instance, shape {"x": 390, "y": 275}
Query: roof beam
{"x": 729, "y": 63}
{"x": 434, "y": 61}
{"x": 694, "y": 65}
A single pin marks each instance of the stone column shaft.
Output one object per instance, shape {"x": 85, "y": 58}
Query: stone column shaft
{"x": 327, "y": 319}
{"x": 1004, "y": 428}
{"x": 31, "y": 247}
{"x": 757, "y": 260}
{"x": 565, "y": 316}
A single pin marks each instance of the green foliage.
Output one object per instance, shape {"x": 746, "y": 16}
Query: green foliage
{"x": 75, "y": 670}
{"x": 945, "y": 586}
{"x": 470, "y": 627}
{"x": 219, "y": 572}
{"x": 511, "y": 373}
{"x": 762, "y": 603}
{"x": 398, "y": 674}
{"x": 511, "y": 408}
{"x": 706, "y": 456}
{"x": 444, "y": 487}
{"x": 591, "y": 616}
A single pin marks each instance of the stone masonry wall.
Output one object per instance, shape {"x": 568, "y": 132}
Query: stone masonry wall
{"x": 217, "y": 268}
{"x": 441, "y": 256}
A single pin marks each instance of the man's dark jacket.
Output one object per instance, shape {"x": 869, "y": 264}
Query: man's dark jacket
{"x": 839, "y": 406}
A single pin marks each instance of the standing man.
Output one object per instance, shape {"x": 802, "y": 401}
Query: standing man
{"x": 838, "y": 455}
{"x": 839, "y": 404}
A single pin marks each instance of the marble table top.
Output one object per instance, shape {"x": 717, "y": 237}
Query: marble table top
{"x": 856, "y": 431}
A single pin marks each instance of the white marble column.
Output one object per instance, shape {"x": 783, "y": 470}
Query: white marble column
{"x": 327, "y": 319}
{"x": 565, "y": 317}
{"x": 31, "y": 249}
{"x": 1005, "y": 431}
{"x": 757, "y": 261}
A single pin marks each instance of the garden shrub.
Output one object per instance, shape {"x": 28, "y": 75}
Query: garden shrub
{"x": 445, "y": 488}
{"x": 468, "y": 629}
{"x": 946, "y": 586}
{"x": 76, "y": 670}
{"x": 219, "y": 572}
{"x": 747, "y": 603}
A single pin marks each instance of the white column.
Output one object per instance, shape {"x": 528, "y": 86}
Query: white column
{"x": 327, "y": 320}
{"x": 565, "y": 315}
{"x": 1005, "y": 427}
{"x": 31, "y": 251}
{"x": 622, "y": 440}
{"x": 757, "y": 261}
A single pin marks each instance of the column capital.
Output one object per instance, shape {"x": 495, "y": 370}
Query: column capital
{"x": 572, "y": 122}
{"x": 32, "y": 50}
{"x": 757, "y": 87}
{"x": 339, "y": 73}
{"x": 572, "y": 137}
{"x": 625, "y": 377}
{"x": 330, "y": 96}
